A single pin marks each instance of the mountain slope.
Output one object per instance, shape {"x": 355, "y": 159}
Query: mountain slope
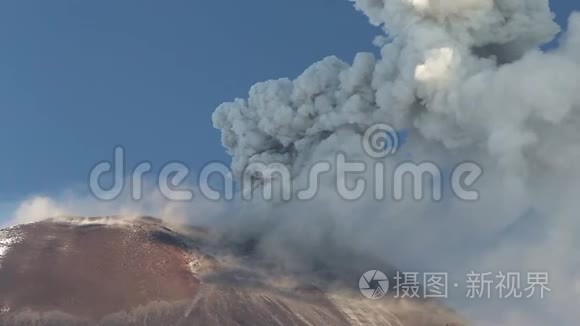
{"x": 111, "y": 271}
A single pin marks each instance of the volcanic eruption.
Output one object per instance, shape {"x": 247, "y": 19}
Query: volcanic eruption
{"x": 486, "y": 81}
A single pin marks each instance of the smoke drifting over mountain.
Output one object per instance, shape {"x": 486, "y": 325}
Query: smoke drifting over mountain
{"x": 466, "y": 79}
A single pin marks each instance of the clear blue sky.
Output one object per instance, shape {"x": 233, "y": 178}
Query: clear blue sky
{"x": 79, "y": 77}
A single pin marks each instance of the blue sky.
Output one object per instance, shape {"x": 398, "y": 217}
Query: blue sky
{"x": 79, "y": 77}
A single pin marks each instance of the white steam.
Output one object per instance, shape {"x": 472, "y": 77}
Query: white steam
{"x": 432, "y": 77}
{"x": 71, "y": 204}
{"x": 467, "y": 80}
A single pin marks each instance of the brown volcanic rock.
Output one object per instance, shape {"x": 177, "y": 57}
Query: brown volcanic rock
{"x": 113, "y": 272}
{"x": 91, "y": 270}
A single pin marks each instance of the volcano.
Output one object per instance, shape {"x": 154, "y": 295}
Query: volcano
{"x": 142, "y": 271}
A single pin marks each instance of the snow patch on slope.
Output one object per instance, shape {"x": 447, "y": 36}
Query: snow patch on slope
{"x": 8, "y": 237}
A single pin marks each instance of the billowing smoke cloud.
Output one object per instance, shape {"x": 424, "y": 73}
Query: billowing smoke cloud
{"x": 432, "y": 78}
{"x": 466, "y": 79}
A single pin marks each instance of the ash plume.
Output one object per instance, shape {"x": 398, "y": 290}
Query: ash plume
{"x": 466, "y": 79}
